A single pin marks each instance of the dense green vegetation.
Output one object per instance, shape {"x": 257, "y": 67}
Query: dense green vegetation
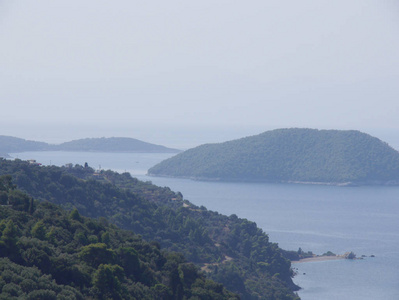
{"x": 11, "y": 144}
{"x": 290, "y": 155}
{"x": 232, "y": 251}
{"x": 49, "y": 253}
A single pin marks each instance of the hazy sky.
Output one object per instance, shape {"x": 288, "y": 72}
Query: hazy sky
{"x": 181, "y": 73}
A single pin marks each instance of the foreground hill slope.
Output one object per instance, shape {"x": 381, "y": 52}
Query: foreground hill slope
{"x": 49, "y": 253}
{"x": 290, "y": 155}
{"x": 232, "y": 251}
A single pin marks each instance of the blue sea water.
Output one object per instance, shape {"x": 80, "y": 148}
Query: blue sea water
{"x": 316, "y": 218}
{"x": 364, "y": 220}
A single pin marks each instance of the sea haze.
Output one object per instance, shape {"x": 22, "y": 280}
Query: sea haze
{"x": 316, "y": 218}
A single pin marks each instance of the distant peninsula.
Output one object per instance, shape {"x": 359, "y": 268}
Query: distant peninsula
{"x": 113, "y": 144}
{"x": 10, "y": 144}
{"x": 294, "y": 155}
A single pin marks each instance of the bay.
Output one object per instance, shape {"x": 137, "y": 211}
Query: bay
{"x": 316, "y": 218}
{"x": 364, "y": 220}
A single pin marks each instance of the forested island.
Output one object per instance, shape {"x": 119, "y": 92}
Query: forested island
{"x": 10, "y": 144}
{"x": 342, "y": 157}
{"x": 60, "y": 239}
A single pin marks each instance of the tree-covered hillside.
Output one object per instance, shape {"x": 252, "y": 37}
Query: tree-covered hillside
{"x": 290, "y": 155}
{"x": 48, "y": 253}
{"x": 232, "y": 251}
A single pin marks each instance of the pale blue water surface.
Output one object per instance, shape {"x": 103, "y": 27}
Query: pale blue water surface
{"x": 364, "y": 220}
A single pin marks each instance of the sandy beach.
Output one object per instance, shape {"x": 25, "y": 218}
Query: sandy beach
{"x": 318, "y": 258}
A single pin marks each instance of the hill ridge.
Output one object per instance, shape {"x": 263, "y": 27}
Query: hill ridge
{"x": 9, "y": 144}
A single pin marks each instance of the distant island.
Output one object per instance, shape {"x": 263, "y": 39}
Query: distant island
{"x": 10, "y": 144}
{"x": 113, "y": 144}
{"x": 296, "y": 155}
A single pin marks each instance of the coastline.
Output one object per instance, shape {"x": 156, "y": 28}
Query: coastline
{"x": 318, "y": 258}
{"x": 325, "y": 183}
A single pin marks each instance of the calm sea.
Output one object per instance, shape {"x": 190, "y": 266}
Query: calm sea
{"x": 364, "y": 220}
